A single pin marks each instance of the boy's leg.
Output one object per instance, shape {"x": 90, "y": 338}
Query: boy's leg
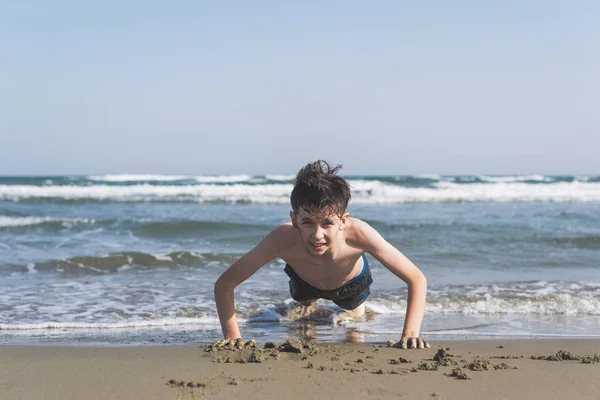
{"x": 359, "y": 311}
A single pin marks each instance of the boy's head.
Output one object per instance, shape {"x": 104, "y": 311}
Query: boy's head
{"x": 319, "y": 200}
{"x": 319, "y": 190}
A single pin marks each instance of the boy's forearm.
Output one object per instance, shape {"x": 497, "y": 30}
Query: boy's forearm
{"x": 415, "y": 307}
{"x": 226, "y": 310}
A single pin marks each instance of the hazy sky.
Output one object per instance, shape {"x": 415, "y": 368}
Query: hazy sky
{"x": 383, "y": 87}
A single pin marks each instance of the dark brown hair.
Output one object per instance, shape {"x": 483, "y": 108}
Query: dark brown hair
{"x": 318, "y": 186}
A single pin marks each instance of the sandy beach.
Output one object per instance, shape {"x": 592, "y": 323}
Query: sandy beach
{"x": 479, "y": 369}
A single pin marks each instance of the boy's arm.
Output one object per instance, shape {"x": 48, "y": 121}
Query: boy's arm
{"x": 241, "y": 270}
{"x": 404, "y": 269}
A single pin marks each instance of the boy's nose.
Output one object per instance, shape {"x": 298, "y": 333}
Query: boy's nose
{"x": 318, "y": 233}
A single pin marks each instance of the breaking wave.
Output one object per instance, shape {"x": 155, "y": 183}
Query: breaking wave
{"x": 277, "y": 189}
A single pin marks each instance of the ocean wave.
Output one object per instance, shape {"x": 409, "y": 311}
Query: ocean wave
{"x": 131, "y": 178}
{"x": 363, "y": 192}
{"x": 117, "y": 262}
{"x": 139, "y": 227}
{"x": 369, "y": 192}
{"x": 584, "y": 242}
{"x": 193, "y": 228}
{"x": 79, "y": 304}
{"x": 274, "y": 193}
{"x": 223, "y": 179}
{"x": 10, "y": 222}
{"x": 527, "y": 298}
{"x": 282, "y": 178}
{"x": 587, "y": 178}
{"x": 434, "y": 177}
{"x": 516, "y": 178}
{"x": 137, "y": 178}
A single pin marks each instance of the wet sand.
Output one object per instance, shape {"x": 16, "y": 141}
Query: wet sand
{"x": 479, "y": 369}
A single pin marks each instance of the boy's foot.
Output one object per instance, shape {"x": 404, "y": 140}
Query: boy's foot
{"x": 357, "y": 315}
{"x": 307, "y": 308}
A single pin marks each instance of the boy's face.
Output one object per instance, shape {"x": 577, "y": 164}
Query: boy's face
{"x": 320, "y": 232}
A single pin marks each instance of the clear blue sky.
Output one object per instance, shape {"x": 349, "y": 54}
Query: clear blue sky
{"x": 383, "y": 87}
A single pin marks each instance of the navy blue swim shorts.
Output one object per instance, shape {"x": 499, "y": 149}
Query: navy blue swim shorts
{"x": 348, "y": 296}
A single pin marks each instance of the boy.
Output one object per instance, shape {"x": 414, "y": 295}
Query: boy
{"x": 324, "y": 253}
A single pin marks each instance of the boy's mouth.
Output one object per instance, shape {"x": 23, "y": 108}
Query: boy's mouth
{"x": 318, "y": 245}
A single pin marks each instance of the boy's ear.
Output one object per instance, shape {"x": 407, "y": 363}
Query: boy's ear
{"x": 293, "y": 217}
{"x": 343, "y": 220}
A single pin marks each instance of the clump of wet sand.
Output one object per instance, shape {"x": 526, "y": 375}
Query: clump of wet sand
{"x": 231, "y": 344}
{"x": 428, "y": 366}
{"x": 240, "y": 351}
{"x": 400, "y": 360}
{"x": 443, "y": 358}
{"x": 590, "y": 359}
{"x": 508, "y": 357}
{"x": 486, "y": 365}
{"x": 190, "y": 384}
{"x": 458, "y": 373}
{"x": 295, "y": 345}
{"x": 562, "y": 355}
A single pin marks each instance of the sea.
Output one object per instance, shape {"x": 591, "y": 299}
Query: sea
{"x": 122, "y": 260}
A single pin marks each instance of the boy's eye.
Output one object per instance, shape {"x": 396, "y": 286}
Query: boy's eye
{"x": 306, "y": 223}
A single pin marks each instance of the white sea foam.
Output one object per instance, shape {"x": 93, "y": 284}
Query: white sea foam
{"x": 587, "y": 178}
{"x": 162, "y": 257}
{"x": 429, "y": 176}
{"x": 515, "y": 178}
{"x": 373, "y": 192}
{"x": 503, "y": 334}
{"x": 48, "y": 325}
{"x": 364, "y": 192}
{"x": 137, "y": 178}
{"x": 277, "y": 193}
{"x": 23, "y": 221}
{"x": 170, "y": 178}
{"x": 532, "y": 298}
{"x": 80, "y": 305}
{"x": 223, "y": 178}
{"x": 563, "y": 304}
{"x": 280, "y": 177}
{"x": 31, "y": 268}
{"x": 26, "y": 221}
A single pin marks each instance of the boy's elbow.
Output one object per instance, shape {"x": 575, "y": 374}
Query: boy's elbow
{"x": 423, "y": 279}
{"x": 419, "y": 280}
{"x": 222, "y": 284}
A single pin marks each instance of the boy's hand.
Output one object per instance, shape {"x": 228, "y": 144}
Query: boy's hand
{"x": 411, "y": 342}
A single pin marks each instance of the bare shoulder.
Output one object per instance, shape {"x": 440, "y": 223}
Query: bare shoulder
{"x": 362, "y": 235}
{"x": 281, "y": 238}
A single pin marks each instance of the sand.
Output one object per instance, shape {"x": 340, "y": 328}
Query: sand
{"x": 476, "y": 369}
